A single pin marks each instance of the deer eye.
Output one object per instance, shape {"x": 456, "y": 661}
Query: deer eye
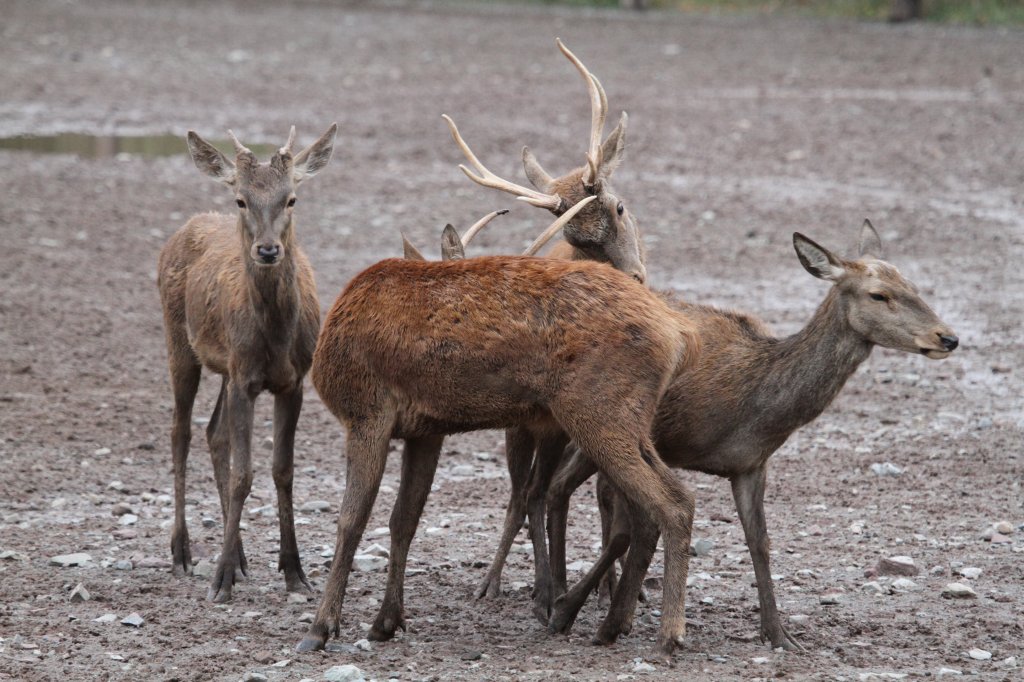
{"x": 878, "y": 297}
{"x": 240, "y": 203}
{"x": 291, "y": 202}
{"x": 620, "y": 209}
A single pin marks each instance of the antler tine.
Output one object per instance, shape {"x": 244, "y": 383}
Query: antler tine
{"x": 479, "y": 225}
{"x": 239, "y": 147}
{"x": 554, "y": 227}
{"x": 287, "y": 148}
{"x": 598, "y": 111}
{"x": 489, "y": 179}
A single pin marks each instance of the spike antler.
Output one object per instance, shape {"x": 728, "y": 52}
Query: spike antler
{"x": 554, "y": 227}
{"x": 486, "y": 178}
{"x": 239, "y": 147}
{"x": 479, "y": 225}
{"x": 598, "y": 113}
{"x": 287, "y": 148}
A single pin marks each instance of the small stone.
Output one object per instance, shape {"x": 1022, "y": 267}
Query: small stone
{"x": 897, "y": 565}
{"x": 123, "y": 565}
{"x": 376, "y": 550}
{"x": 67, "y": 560}
{"x": 903, "y": 585}
{"x": 118, "y": 486}
{"x": 125, "y": 534}
{"x": 80, "y": 594}
{"x": 970, "y": 572}
{"x": 484, "y": 456}
{"x": 315, "y": 506}
{"x": 979, "y": 654}
{"x": 380, "y": 532}
{"x": 254, "y": 676}
{"x": 643, "y": 667}
{"x": 949, "y": 671}
{"x": 886, "y": 469}
{"x": 344, "y": 673}
{"x": 937, "y": 570}
{"x": 830, "y": 598}
{"x": 153, "y": 562}
{"x": 203, "y": 569}
{"x": 297, "y": 598}
{"x": 264, "y": 657}
{"x": 958, "y": 591}
{"x": 101, "y": 452}
{"x": 252, "y": 614}
{"x": 760, "y": 660}
{"x": 579, "y": 566}
{"x": 268, "y": 443}
{"x": 999, "y": 539}
{"x": 120, "y": 509}
{"x": 128, "y": 520}
{"x": 105, "y": 618}
{"x": 367, "y": 562}
{"x": 701, "y": 547}
{"x": 874, "y": 587}
{"x": 1009, "y": 662}
{"x": 1004, "y": 527}
{"x": 363, "y": 645}
{"x": 209, "y": 522}
{"x": 306, "y": 617}
{"x": 799, "y": 619}
{"x": 11, "y": 555}
{"x": 133, "y": 620}
{"x": 463, "y": 470}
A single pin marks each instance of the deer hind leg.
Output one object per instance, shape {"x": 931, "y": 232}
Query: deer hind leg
{"x": 286, "y": 417}
{"x": 606, "y": 506}
{"x": 549, "y": 456}
{"x": 218, "y": 438}
{"x": 366, "y": 450}
{"x": 419, "y": 463}
{"x": 239, "y": 414}
{"x": 185, "y": 373}
{"x": 574, "y": 473}
{"x": 748, "y": 491}
{"x": 519, "y": 444}
{"x": 644, "y": 541}
{"x": 568, "y": 606}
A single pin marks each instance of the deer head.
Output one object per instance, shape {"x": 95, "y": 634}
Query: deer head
{"x": 879, "y": 303}
{"x": 264, "y": 193}
{"x": 605, "y": 230}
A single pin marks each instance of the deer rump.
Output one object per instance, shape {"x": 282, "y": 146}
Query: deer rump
{"x": 492, "y": 342}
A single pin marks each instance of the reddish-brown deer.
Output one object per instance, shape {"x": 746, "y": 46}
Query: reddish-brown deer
{"x": 605, "y": 232}
{"x": 418, "y": 350}
{"x": 746, "y": 393}
{"x": 239, "y": 299}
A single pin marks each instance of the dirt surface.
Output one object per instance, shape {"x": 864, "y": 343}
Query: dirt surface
{"x": 742, "y": 130}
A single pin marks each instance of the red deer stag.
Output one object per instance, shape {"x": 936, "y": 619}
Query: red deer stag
{"x": 418, "y": 350}
{"x": 239, "y": 299}
{"x": 606, "y": 232}
{"x": 746, "y": 393}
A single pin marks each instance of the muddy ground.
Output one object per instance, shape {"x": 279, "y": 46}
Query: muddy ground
{"x": 742, "y": 130}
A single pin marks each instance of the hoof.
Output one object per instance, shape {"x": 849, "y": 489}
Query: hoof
{"x": 488, "y": 588}
{"x": 310, "y": 643}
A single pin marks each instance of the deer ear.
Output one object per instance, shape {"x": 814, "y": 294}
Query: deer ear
{"x": 537, "y": 176}
{"x": 313, "y": 158}
{"x": 817, "y": 260}
{"x": 614, "y": 148}
{"x": 870, "y": 243}
{"x": 451, "y": 244}
{"x": 209, "y": 160}
{"x": 409, "y": 250}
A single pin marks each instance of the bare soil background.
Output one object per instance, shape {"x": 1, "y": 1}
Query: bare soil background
{"x": 742, "y": 130}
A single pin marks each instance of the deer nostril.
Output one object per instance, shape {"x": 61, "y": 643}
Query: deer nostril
{"x": 268, "y": 253}
{"x": 949, "y": 342}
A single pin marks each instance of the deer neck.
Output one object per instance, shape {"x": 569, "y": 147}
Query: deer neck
{"x": 808, "y": 369}
{"x": 271, "y": 290}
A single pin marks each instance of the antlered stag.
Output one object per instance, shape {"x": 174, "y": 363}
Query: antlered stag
{"x": 418, "y": 350}
{"x": 239, "y": 299}
{"x": 605, "y": 232}
{"x": 746, "y": 393}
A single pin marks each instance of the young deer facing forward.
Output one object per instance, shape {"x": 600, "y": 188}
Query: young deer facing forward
{"x": 418, "y": 350}
{"x": 605, "y": 232}
{"x": 239, "y": 299}
{"x": 747, "y": 392}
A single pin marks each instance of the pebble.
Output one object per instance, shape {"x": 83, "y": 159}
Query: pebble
{"x": 979, "y": 654}
{"x": 886, "y": 469}
{"x": 118, "y": 486}
{"x": 80, "y": 594}
{"x": 344, "y": 673}
{"x": 799, "y": 619}
{"x": 970, "y": 572}
{"x": 128, "y": 520}
{"x": 1008, "y": 662}
{"x": 376, "y": 550}
{"x": 123, "y": 565}
{"x": 297, "y": 598}
{"x": 363, "y": 645}
{"x": 1004, "y": 527}
{"x": 209, "y": 522}
{"x": 306, "y": 617}
{"x": 463, "y": 470}
{"x": 134, "y": 620}
{"x": 830, "y": 598}
{"x": 367, "y": 562}
{"x": 471, "y": 656}
{"x": 105, "y": 618}
{"x": 121, "y": 508}
{"x": 254, "y": 677}
{"x": 643, "y": 667}
{"x": 153, "y": 562}
{"x": 66, "y": 560}
{"x": 315, "y": 506}
{"x": 760, "y": 660}
{"x": 958, "y": 591}
{"x": 580, "y": 566}
{"x": 999, "y": 539}
{"x": 125, "y": 534}
{"x": 484, "y": 456}
{"x": 11, "y": 555}
{"x": 949, "y": 671}
{"x": 874, "y": 586}
{"x": 264, "y": 657}
{"x": 701, "y": 547}
{"x": 101, "y": 452}
{"x": 897, "y": 565}
{"x": 252, "y": 614}
{"x": 268, "y": 443}
{"x": 903, "y": 584}
{"x": 203, "y": 569}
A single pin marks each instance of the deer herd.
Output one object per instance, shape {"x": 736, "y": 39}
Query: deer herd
{"x": 586, "y": 369}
